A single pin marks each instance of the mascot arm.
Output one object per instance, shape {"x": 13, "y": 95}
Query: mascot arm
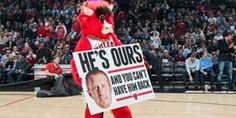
{"x": 116, "y": 40}
{"x": 82, "y": 45}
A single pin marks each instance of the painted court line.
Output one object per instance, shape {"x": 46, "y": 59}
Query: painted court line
{"x": 20, "y": 100}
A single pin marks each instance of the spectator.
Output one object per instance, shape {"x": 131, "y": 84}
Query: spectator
{"x": 21, "y": 69}
{"x": 144, "y": 45}
{"x": 68, "y": 22}
{"x": 192, "y": 67}
{"x": 212, "y": 20}
{"x": 179, "y": 57}
{"x": 60, "y": 31}
{"x": 9, "y": 66}
{"x": 5, "y": 57}
{"x": 14, "y": 50}
{"x": 187, "y": 51}
{"x": 226, "y": 47}
{"x": 67, "y": 56}
{"x": 75, "y": 24}
{"x": 72, "y": 34}
{"x": 174, "y": 50}
{"x": 43, "y": 54}
{"x": 156, "y": 39}
{"x": 41, "y": 31}
{"x": 31, "y": 57}
{"x": 213, "y": 47}
{"x": 166, "y": 42}
{"x": 166, "y": 57}
{"x": 25, "y": 50}
{"x": 206, "y": 69}
{"x": 49, "y": 31}
{"x": 218, "y": 36}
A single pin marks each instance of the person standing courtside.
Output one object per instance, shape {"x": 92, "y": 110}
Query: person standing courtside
{"x": 226, "y": 48}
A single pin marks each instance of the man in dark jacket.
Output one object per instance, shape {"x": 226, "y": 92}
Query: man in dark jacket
{"x": 43, "y": 55}
{"x": 226, "y": 48}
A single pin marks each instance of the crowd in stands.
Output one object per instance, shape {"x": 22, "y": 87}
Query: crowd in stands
{"x": 167, "y": 30}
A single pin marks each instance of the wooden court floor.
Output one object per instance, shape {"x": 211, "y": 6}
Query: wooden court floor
{"x": 165, "y": 105}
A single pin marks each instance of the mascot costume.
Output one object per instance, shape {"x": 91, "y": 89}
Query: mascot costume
{"x": 97, "y": 29}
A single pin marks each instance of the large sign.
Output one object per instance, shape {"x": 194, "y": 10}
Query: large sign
{"x": 113, "y": 77}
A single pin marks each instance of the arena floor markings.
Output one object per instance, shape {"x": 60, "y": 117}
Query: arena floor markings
{"x": 165, "y": 105}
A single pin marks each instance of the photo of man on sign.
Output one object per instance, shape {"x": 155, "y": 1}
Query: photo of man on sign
{"x": 99, "y": 88}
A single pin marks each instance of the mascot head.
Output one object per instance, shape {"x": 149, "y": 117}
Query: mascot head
{"x": 96, "y": 19}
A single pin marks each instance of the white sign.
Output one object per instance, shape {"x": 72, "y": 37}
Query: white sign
{"x": 113, "y": 77}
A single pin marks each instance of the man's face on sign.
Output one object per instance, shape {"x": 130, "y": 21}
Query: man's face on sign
{"x": 99, "y": 89}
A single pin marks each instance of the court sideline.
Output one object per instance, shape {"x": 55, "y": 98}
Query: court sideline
{"x": 165, "y": 105}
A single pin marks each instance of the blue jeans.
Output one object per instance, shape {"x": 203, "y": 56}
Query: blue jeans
{"x": 228, "y": 65}
{"x": 19, "y": 76}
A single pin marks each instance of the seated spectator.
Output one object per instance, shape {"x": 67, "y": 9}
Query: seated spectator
{"x": 206, "y": 69}
{"x": 218, "y": 36}
{"x": 166, "y": 57}
{"x": 9, "y": 66}
{"x": 67, "y": 56}
{"x": 192, "y": 67}
{"x": 174, "y": 50}
{"x": 144, "y": 45}
{"x": 160, "y": 51}
{"x": 14, "y": 50}
{"x": 21, "y": 69}
{"x": 156, "y": 41}
{"x": 31, "y": 57}
{"x": 187, "y": 50}
{"x": 25, "y": 50}
{"x": 179, "y": 56}
{"x": 213, "y": 47}
{"x": 41, "y": 31}
{"x": 43, "y": 54}
{"x": 5, "y": 57}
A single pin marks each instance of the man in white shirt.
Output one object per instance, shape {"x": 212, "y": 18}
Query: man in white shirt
{"x": 192, "y": 67}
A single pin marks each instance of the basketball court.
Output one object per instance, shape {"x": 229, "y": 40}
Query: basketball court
{"x": 165, "y": 105}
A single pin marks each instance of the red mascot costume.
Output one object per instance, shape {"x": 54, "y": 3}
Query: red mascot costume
{"x": 96, "y": 21}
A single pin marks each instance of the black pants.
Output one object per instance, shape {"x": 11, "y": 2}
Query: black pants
{"x": 195, "y": 76}
{"x": 209, "y": 76}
